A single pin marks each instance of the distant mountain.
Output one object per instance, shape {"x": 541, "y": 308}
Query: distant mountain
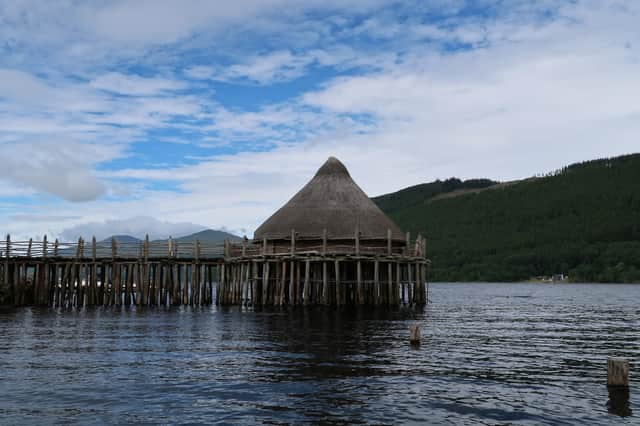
{"x": 121, "y": 239}
{"x": 582, "y": 220}
{"x": 129, "y": 246}
{"x": 209, "y": 236}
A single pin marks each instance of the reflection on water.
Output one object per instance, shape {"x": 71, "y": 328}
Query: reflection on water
{"x": 618, "y": 402}
{"x": 489, "y": 354}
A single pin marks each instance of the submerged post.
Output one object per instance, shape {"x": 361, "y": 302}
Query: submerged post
{"x": 414, "y": 334}
{"x": 617, "y": 372}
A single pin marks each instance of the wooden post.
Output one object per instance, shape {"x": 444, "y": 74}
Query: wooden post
{"x": 324, "y": 242}
{"x": 265, "y": 281}
{"x": 390, "y": 283}
{"x": 29, "y": 248}
{"x": 338, "y": 295}
{"x": 197, "y": 273}
{"x": 359, "y": 290}
{"x": 185, "y": 288}
{"x": 414, "y": 334}
{"x": 170, "y": 247}
{"x": 410, "y": 284}
{"x": 306, "y": 297}
{"x": 264, "y": 246}
{"x": 114, "y": 248}
{"x": 7, "y": 255}
{"x": 293, "y": 243}
{"x": 292, "y": 283}
{"x": 408, "y": 244}
{"x": 389, "y": 242}
{"x": 144, "y": 285}
{"x": 357, "y": 240}
{"x": 376, "y": 282}
{"x": 617, "y": 372}
{"x": 283, "y": 284}
{"x": 43, "y": 283}
{"x": 325, "y": 283}
{"x": 244, "y": 246}
{"x": 396, "y": 296}
{"x": 55, "y": 248}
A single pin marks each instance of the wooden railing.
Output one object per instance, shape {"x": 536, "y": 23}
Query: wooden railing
{"x": 170, "y": 248}
{"x": 111, "y": 249}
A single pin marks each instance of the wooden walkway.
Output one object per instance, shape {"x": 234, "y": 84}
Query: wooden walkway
{"x": 171, "y": 274}
{"x": 80, "y": 274}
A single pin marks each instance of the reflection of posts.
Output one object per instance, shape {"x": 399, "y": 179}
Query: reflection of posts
{"x": 618, "y": 402}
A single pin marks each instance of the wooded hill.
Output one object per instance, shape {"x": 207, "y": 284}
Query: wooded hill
{"x": 583, "y": 220}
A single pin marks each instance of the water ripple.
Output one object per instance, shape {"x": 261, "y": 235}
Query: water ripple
{"x": 491, "y": 354}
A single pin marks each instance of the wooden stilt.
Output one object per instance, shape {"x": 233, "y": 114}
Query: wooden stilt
{"x": 338, "y": 287}
{"x": 306, "y": 295}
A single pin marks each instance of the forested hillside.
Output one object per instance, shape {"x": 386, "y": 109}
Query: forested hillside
{"x": 583, "y": 221}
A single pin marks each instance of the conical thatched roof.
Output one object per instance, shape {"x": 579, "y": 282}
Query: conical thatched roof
{"x": 331, "y": 201}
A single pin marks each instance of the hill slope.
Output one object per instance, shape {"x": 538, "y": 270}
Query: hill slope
{"x": 583, "y": 220}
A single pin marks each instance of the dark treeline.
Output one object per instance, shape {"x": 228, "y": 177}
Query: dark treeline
{"x": 583, "y": 220}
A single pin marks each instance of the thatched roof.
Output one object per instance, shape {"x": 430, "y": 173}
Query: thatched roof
{"x": 331, "y": 201}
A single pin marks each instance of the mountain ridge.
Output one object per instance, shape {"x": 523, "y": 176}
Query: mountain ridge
{"x": 582, "y": 220}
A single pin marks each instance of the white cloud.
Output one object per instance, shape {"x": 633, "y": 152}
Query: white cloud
{"x": 135, "y": 85}
{"x": 268, "y": 68}
{"x": 59, "y": 169}
{"x": 137, "y": 227}
{"x": 531, "y": 95}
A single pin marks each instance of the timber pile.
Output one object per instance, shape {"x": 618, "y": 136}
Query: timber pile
{"x": 75, "y": 275}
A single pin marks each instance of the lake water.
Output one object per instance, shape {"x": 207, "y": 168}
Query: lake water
{"x": 490, "y": 354}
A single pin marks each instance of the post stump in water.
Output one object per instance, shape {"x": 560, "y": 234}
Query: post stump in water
{"x": 414, "y": 334}
{"x": 618, "y": 372}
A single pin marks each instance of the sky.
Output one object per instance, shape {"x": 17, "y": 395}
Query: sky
{"x": 168, "y": 117}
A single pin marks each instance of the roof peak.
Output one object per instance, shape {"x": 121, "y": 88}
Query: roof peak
{"x": 334, "y": 167}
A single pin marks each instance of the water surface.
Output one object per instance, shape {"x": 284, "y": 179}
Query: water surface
{"x": 490, "y": 354}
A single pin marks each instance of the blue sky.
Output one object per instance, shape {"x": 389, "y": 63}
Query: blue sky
{"x": 170, "y": 116}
